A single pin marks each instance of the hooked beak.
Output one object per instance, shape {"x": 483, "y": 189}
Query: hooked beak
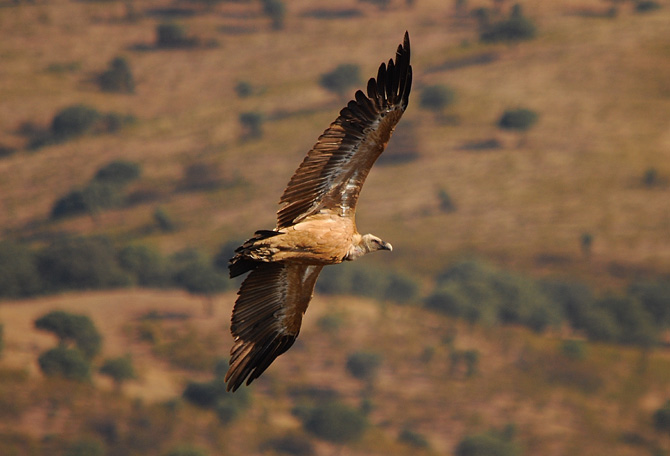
{"x": 387, "y": 246}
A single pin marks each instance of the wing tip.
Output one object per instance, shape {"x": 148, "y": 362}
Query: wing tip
{"x": 250, "y": 359}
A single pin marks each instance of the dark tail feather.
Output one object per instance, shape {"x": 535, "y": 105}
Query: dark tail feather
{"x": 241, "y": 263}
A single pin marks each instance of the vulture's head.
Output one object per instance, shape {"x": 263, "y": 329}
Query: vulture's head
{"x": 365, "y": 244}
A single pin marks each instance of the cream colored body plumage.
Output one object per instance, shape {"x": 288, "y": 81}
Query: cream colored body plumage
{"x": 315, "y": 225}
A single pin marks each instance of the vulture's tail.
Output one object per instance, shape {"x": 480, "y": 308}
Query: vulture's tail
{"x": 243, "y": 261}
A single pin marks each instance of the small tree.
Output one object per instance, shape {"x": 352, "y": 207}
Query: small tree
{"x": 363, "y": 365}
{"x": 401, "y": 289}
{"x": 118, "y": 172}
{"x": 276, "y": 10}
{"x": 74, "y": 121}
{"x": 117, "y": 77}
{"x": 203, "y": 279}
{"x": 164, "y": 221}
{"x": 446, "y": 204}
{"x": 521, "y": 119}
{"x": 119, "y": 370}
{"x": 292, "y": 444}
{"x": 436, "y": 98}
{"x": 586, "y": 243}
{"x": 341, "y": 79}
{"x": 72, "y": 328}
{"x": 651, "y": 178}
{"x": 81, "y": 263}
{"x": 335, "y": 422}
{"x": 252, "y": 122}
{"x": 515, "y": 28}
{"x": 213, "y": 395}
{"x": 244, "y": 89}
{"x": 85, "y": 447}
{"x": 488, "y": 443}
{"x": 414, "y": 439}
{"x": 171, "y": 35}
{"x": 65, "y": 362}
{"x": 662, "y": 418}
{"x": 19, "y": 276}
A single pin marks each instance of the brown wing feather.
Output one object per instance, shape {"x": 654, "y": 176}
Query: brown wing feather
{"x": 332, "y": 173}
{"x": 267, "y": 317}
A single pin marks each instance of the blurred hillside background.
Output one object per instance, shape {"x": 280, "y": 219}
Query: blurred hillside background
{"x": 526, "y": 305}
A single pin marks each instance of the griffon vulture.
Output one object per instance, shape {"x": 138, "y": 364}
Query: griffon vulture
{"x": 315, "y": 224}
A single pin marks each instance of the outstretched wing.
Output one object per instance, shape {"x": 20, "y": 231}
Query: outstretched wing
{"x": 267, "y": 317}
{"x": 332, "y": 173}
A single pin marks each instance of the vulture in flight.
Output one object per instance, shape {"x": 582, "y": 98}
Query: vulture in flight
{"x": 315, "y": 224}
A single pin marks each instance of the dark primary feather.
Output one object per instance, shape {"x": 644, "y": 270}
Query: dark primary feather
{"x": 332, "y": 173}
{"x": 267, "y": 317}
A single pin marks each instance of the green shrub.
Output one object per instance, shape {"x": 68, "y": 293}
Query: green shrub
{"x": 225, "y": 253}
{"x": 575, "y": 300}
{"x": 485, "y": 444}
{"x": 436, "y": 98}
{"x": 252, "y": 122}
{"x": 414, "y": 439}
{"x": 515, "y": 28}
{"x": 480, "y": 293}
{"x": 635, "y": 324}
{"x": 204, "y": 394}
{"x": 213, "y": 395}
{"x": 335, "y": 422}
{"x": 146, "y": 265}
{"x": 19, "y": 276}
{"x": 276, "y": 10}
{"x": 200, "y": 277}
{"x": 91, "y": 199}
{"x": 85, "y": 447}
{"x": 401, "y": 289}
{"x": 655, "y": 299}
{"x": 244, "y": 89}
{"x": 643, "y": 6}
{"x": 65, "y": 362}
{"x": 355, "y": 279}
{"x": 81, "y": 263}
{"x": 118, "y": 172}
{"x": 119, "y": 369}
{"x": 518, "y": 119}
{"x": 341, "y": 79}
{"x": 164, "y": 221}
{"x": 186, "y": 450}
{"x": 171, "y": 35}
{"x": 69, "y": 327}
{"x": 446, "y": 204}
{"x": 363, "y": 364}
{"x": 292, "y": 444}
{"x": 117, "y": 77}
{"x": 74, "y": 121}
{"x": 662, "y": 418}
{"x": 574, "y": 349}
